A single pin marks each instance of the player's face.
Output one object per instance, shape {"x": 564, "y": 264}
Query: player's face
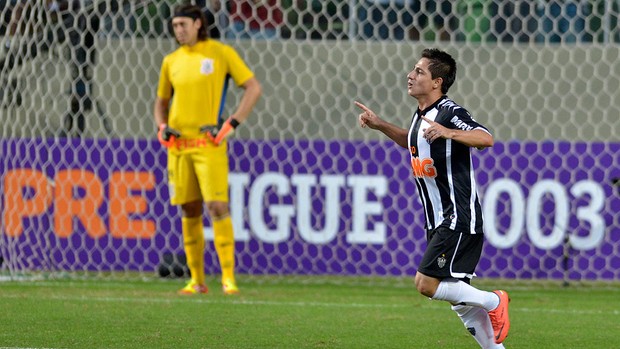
{"x": 419, "y": 80}
{"x": 185, "y": 30}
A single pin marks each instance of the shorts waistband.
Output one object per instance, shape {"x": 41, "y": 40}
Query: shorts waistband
{"x": 185, "y": 143}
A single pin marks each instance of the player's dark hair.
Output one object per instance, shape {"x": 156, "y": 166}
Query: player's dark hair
{"x": 194, "y": 12}
{"x": 441, "y": 65}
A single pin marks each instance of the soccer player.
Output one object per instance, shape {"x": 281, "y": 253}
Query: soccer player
{"x": 188, "y": 109}
{"x": 439, "y": 140}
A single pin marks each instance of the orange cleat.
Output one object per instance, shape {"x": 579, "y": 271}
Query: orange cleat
{"x": 499, "y": 317}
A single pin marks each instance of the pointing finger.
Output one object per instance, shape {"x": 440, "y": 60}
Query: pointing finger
{"x": 361, "y": 106}
{"x": 427, "y": 119}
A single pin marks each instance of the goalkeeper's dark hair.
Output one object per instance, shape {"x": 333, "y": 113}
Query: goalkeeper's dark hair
{"x": 194, "y": 12}
{"x": 441, "y": 65}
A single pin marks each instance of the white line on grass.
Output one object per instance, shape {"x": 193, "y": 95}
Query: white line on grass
{"x": 204, "y": 300}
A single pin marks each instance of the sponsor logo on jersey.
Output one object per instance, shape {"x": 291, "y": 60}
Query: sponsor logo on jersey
{"x": 460, "y": 124}
{"x": 423, "y": 167}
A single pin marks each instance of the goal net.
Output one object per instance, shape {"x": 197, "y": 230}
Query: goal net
{"x": 82, "y": 176}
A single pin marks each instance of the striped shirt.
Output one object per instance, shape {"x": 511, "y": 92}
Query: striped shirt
{"x": 444, "y": 171}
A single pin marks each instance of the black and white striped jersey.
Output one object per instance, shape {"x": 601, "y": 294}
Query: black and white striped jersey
{"x": 443, "y": 170}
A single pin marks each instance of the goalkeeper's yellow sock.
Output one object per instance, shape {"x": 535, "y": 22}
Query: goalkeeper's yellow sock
{"x": 194, "y": 243}
{"x": 225, "y": 246}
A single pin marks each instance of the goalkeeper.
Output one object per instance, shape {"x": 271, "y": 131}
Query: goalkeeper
{"x": 188, "y": 110}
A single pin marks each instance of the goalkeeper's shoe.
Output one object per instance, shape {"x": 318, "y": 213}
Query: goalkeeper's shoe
{"x": 193, "y": 288}
{"x": 499, "y": 317}
{"x": 230, "y": 287}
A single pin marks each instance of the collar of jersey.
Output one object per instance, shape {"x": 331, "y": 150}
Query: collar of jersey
{"x": 434, "y": 105}
{"x": 196, "y": 46}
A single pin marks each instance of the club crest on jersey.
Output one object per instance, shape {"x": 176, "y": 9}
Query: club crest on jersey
{"x": 441, "y": 261}
{"x": 206, "y": 66}
{"x": 423, "y": 167}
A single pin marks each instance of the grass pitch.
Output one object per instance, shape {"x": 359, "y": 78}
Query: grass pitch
{"x": 292, "y": 312}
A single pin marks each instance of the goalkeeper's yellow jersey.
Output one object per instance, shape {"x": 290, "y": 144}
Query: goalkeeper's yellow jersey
{"x": 196, "y": 78}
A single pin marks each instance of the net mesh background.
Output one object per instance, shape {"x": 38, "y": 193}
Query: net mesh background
{"x": 542, "y": 75}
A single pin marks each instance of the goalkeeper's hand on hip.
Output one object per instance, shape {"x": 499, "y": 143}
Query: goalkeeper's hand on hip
{"x": 167, "y": 135}
{"x": 216, "y": 135}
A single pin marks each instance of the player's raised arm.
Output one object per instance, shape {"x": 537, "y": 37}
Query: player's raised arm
{"x": 477, "y": 138}
{"x": 369, "y": 119}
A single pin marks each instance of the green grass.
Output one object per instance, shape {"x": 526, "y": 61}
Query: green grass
{"x": 292, "y": 312}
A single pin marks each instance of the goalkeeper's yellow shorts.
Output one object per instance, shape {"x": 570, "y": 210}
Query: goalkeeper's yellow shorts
{"x": 198, "y": 173}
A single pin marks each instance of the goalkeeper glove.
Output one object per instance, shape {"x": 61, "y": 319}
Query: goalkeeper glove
{"x": 167, "y": 135}
{"x": 210, "y": 131}
{"x": 218, "y": 135}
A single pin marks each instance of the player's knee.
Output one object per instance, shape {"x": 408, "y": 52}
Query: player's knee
{"x": 424, "y": 289}
{"x": 425, "y": 286}
{"x": 217, "y": 209}
{"x": 192, "y": 209}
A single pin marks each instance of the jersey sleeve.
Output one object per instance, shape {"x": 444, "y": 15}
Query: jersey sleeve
{"x": 461, "y": 119}
{"x": 237, "y": 68}
{"x": 164, "y": 88}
